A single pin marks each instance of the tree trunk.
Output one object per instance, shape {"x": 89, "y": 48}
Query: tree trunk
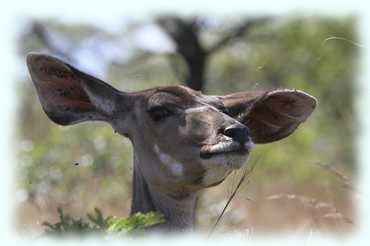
{"x": 195, "y": 77}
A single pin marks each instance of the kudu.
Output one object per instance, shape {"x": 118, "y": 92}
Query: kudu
{"x": 183, "y": 140}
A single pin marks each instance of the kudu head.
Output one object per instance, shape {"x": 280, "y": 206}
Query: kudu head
{"x": 183, "y": 140}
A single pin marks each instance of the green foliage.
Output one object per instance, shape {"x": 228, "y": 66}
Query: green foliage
{"x": 136, "y": 223}
{"x": 97, "y": 223}
{"x": 68, "y": 225}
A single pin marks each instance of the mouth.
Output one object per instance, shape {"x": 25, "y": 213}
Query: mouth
{"x": 225, "y": 148}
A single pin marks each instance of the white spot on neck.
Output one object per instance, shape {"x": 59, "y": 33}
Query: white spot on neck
{"x": 169, "y": 162}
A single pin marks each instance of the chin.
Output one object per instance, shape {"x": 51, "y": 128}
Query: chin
{"x": 218, "y": 167}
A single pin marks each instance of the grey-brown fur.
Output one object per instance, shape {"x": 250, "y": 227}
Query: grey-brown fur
{"x": 183, "y": 141}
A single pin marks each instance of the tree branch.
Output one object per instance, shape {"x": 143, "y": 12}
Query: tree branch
{"x": 188, "y": 46}
{"x": 183, "y": 33}
{"x": 237, "y": 32}
{"x": 43, "y": 35}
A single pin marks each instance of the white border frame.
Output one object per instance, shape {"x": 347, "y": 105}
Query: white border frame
{"x": 110, "y": 12}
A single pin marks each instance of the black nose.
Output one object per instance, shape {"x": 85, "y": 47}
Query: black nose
{"x": 237, "y": 132}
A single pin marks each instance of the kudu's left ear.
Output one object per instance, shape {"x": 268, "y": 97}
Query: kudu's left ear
{"x": 270, "y": 115}
{"x": 69, "y": 96}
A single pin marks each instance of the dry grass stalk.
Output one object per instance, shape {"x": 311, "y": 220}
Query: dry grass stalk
{"x": 315, "y": 205}
{"x": 245, "y": 174}
{"x": 343, "y": 178}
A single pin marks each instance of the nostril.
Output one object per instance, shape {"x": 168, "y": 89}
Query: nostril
{"x": 237, "y": 132}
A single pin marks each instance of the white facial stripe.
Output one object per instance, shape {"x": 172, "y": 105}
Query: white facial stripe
{"x": 169, "y": 162}
{"x": 177, "y": 169}
{"x": 156, "y": 149}
{"x": 197, "y": 109}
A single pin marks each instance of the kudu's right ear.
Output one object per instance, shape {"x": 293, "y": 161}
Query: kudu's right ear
{"x": 270, "y": 115}
{"x": 69, "y": 96}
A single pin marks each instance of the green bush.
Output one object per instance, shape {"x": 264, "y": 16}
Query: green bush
{"x": 96, "y": 222}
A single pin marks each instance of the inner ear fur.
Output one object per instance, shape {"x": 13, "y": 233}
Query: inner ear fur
{"x": 270, "y": 115}
{"x": 67, "y": 95}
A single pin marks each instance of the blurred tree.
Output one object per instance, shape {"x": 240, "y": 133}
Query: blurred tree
{"x": 185, "y": 33}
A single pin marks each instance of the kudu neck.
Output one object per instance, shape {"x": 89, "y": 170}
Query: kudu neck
{"x": 178, "y": 211}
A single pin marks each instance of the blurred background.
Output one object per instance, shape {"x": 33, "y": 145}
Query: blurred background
{"x": 302, "y": 183}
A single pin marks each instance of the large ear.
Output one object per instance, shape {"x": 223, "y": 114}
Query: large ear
{"x": 69, "y": 96}
{"x": 270, "y": 115}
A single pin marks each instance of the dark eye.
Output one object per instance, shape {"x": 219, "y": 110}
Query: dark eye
{"x": 224, "y": 110}
{"x": 158, "y": 113}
